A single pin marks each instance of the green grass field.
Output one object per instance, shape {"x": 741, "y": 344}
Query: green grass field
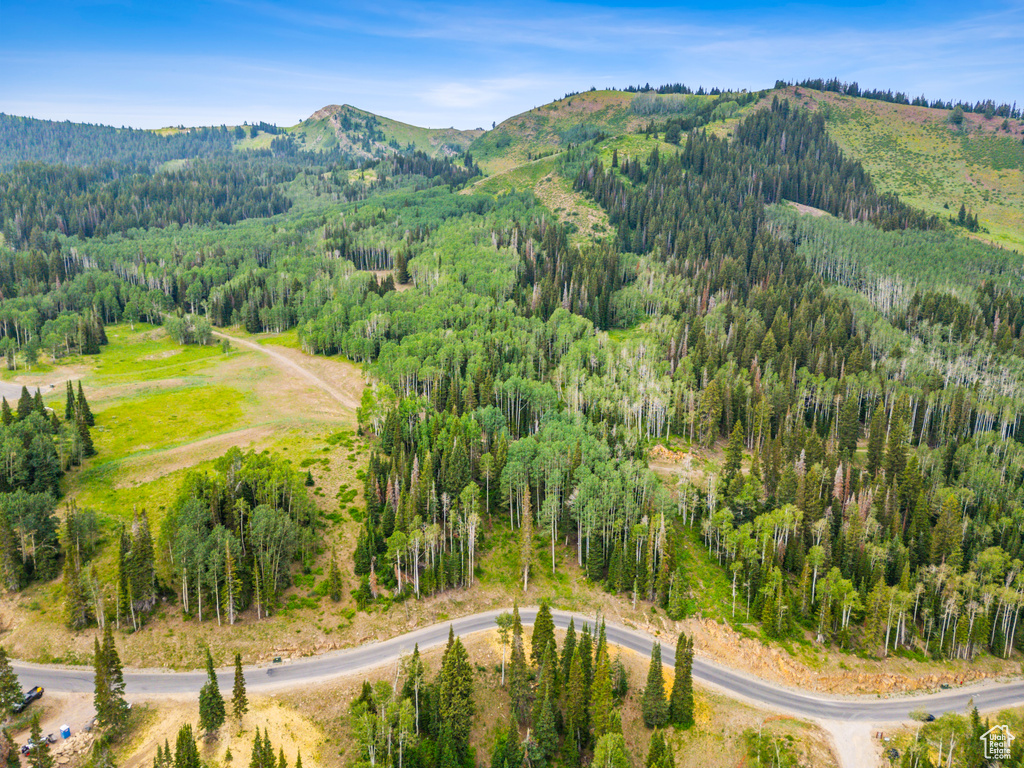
{"x": 165, "y": 419}
{"x": 146, "y": 354}
{"x": 635, "y": 146}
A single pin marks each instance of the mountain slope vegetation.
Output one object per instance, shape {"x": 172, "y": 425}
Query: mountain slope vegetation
{"x": 851, "y": 383}
{"x": 364, "y": 136}
{"x": 933, "y": 160}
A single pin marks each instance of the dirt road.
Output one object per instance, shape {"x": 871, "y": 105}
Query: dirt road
{"x": 284, "y": 361}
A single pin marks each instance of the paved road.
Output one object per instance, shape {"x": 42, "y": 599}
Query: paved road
{"x": 315, "y": 669}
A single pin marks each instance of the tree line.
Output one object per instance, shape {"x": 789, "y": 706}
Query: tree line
{"x": 986, "y": 107}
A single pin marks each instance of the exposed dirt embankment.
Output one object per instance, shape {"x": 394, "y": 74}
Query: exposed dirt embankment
{"x": 894, "y": 675}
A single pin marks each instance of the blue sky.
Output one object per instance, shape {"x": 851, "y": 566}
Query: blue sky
{"x": 192, "y": 62}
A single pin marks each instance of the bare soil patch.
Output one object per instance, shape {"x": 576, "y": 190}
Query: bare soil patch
{"x": 288, "y": 730}
{"x": 808, "y": 209}
{"x": 571, "y": 207}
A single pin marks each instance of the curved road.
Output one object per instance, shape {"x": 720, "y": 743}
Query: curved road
{"x": 316, "y": 669}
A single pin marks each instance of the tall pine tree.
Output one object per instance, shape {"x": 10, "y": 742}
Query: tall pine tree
{"x": 654, "y": 708}
{"x": 239, "y": 699}
{"x": 681, "y": 703}
{"x": 39, "y": 756}
{"x": 211, "y": 703}
{"x": 10, "y": 688}
{"x": 518, "y": 674}
{"x": 543, "y": 631}
{"x": 455, "y": 711}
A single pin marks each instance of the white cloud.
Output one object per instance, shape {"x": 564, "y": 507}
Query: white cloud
{"x": 446, "y": 64}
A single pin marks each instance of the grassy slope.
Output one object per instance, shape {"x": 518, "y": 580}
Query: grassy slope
{"x": 513, "y": 173}
{"x": 555, "y": 192}
{"x": 915, "y": 152}
{"x": 544, "y": 129}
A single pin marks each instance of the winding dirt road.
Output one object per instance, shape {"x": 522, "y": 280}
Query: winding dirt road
{"x": 293, "y": 367}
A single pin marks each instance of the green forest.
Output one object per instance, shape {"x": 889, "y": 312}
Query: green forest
{"x": 856, "y": 374}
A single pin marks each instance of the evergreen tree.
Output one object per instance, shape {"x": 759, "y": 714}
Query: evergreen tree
{"x": 211, "y": 703}
{"x": 733, "y": 453}
{"x": 576, "y": 700}
{"x": 601, "y": 694}
{"x": 896, "y": 450}
{"x": 86, "y": 438}
{"x": 5, "y": 412}
{"x": 876, "y": 439}
{"x": 455, "y": 709}
{"x": 262, "y": 751}
{"x": 10, "y": 688}
{"x": 545, "y": 731}
{"x": 39, "y": 756}
{"x": 141, "y": 565}
{"x": 82, "y": 407}
{"x": 543, "y": 631}
{"x": 76, "y": 607}
{"x": 654, "y": 708}
{"x": 111, "y": 709}
{"x": 568, "y": 646}
{"x": 974, "y": 748}
{"x": 239, "y": 700}
{"x": 548, "y": 678}
{"x": 849, "y": 424}
{"x": 334, "y": 584}
{"x": 186, "y": 754}
{"x": 509, "y": 752}
{"x": 101, "y": 688}
{"x": 656, "y": 751}
{"x": 677, "y": 595}
{"x": 24, "y": 404}
{"x": 681, "y": 703}
{"x": 518, "y": 683}
{"x": 585, "y": 645}
{"x": 458, "y": 474}
{"x": 947, "y": 537}
{"x": 69, "y": 405}
{"x": 11, "y": 566}
{"x": 125, "y": 608}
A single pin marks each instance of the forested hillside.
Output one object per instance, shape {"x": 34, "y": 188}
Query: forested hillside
{"x": 937, "y": 155}
{"x": 581, "y": 117}
{"x": 25, "y": 139}
{"x": 365, "y": 136}
{"x": 849, "y": 379}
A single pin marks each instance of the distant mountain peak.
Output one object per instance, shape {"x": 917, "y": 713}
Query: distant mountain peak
{"x": 329, "y": 111}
